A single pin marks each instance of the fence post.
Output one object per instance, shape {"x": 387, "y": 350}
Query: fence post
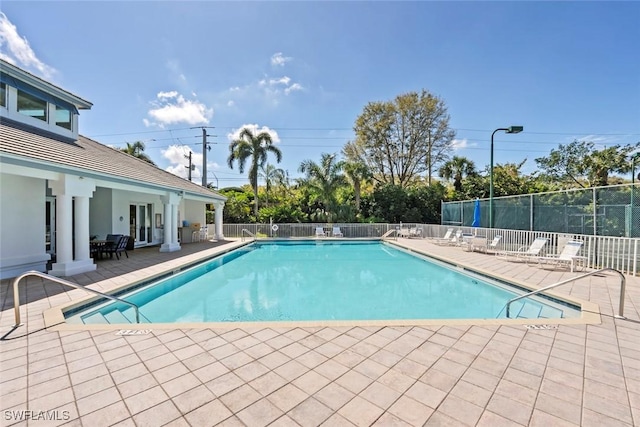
{"x": 531, "y": 213}
{"x": 595, "y": 214}
{"x": 635, "y": 256}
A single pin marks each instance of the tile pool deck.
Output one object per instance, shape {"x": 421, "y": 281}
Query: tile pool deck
{"x": 453, "y": 375}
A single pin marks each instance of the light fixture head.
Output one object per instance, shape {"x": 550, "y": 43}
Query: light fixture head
{"x": 515, "y": 129}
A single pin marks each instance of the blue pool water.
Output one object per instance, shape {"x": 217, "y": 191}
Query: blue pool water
{"x": 319, "y": 280}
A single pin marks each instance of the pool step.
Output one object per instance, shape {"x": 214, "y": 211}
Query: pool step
{"x": 94, "y": 319}
{"x": 551, "y": 313}
{"x": 525, "y": 309}
{"x": 529, "y": 310}
{"x": 116, "y": 317}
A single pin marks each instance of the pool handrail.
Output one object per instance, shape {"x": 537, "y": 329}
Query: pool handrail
{"x": 388, "y": 233}
{"x": 244, "y": 230}
{"x": 623, "y": 283}
{"x": 16, "y": 294}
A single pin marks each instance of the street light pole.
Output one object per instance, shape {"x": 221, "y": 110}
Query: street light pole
{"x": 510, "y": 129}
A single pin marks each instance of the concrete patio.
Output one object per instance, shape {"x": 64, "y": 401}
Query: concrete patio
{"x": 448, "y": 374}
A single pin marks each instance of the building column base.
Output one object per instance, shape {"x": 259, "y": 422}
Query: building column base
{"x": 62, "y": 269}
{"x": 170, "y": 247}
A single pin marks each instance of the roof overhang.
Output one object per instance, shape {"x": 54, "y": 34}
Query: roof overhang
{"x": 43, "y": 85}
{"x": 23, "y": 166}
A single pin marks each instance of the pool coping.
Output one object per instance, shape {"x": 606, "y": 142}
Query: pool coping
{"x": 54, "y": 318}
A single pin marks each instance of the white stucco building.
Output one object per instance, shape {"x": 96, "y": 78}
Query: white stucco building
{"x": 58, "y": 188}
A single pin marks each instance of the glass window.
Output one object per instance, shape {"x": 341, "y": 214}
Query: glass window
{"x": 63, "y": 117}
{"x": 3, "y": 95}
{"x": 32, "y": 106}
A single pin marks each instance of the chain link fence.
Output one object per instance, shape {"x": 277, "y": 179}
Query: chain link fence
{"x": 601, "y": 211}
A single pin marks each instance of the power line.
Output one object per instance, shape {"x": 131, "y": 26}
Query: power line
{"x": 281, "y": 129}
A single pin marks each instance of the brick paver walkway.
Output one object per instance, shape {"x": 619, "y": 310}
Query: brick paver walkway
{"x": 454, "y": 375}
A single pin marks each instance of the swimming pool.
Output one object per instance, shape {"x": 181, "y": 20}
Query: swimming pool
{"x": 320, "y": 280}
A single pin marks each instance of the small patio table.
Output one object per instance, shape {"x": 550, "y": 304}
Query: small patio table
{"x": 97, "y": 247}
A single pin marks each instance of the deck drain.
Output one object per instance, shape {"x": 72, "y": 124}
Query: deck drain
{"x": 541, "y": 326}
{"x": 133, "y": 332}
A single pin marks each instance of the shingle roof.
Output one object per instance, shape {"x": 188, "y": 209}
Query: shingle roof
{"x": 86, "y": 154}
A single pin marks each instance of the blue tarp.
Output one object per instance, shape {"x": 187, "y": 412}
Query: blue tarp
{"x": 476, "y": 214}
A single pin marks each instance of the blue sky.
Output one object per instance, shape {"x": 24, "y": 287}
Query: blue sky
{"x": 305, "y": 71}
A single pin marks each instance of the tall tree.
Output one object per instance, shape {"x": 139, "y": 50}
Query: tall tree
{"x": 357, "y": 173}
{"x": 580, "y": 164}
{"x": 401, "y": 139}
{"x": 457, "y": 168}
{"x": 136, "y": 149}
{"x": 324, "y": 179}
{"x": 256, "y": 148}
{"x": 271, "y": 174}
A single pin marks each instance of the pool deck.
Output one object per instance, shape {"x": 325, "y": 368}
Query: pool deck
{"x": 440, "y": 374}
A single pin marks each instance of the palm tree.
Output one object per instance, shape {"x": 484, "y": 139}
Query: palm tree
{"x": 357, "y": 172}
{"x": 270, "y": 174}
{"x": 457, "y": 168}
{"x": 325, "y": 179}
{"x": 137, "y": 150}
{"x": 257, "y": 147}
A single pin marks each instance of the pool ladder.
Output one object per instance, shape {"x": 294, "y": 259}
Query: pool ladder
{"x": 623, "y": 282}
{"x": 16, "y": 294}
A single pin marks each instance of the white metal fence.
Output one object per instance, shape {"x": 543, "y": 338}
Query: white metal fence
{"x": 620, "y": 253}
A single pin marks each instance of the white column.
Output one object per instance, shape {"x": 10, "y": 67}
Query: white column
{"x": 174, "y": 224}
{"x": 81, "y": 235}
{"x": 219, "y": 206}
{"x": 170, "y": 243}
{"x": 64, "y": 225}
{"x": 65, "y": 189}
{"x": 167, "y": 222}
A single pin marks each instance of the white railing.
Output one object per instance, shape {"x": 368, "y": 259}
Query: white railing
{"x": 620, "y": 253}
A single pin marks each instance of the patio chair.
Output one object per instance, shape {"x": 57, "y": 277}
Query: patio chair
{"x": 523, "y": 252}
{"x": 415, "y": 232}
{"x": 320, "y": 232}
{"x": 119, "y": 247}
{"x": 569, "y": 256}
{"x": 403, "y": 232}
{"x": 446, "y": 238}
{"x": 336, "y": 232}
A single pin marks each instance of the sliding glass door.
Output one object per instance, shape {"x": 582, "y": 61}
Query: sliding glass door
{"x": 140, "y": 223}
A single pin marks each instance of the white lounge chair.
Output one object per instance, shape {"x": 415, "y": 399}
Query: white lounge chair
{"x": 569, "y": 256}
{"x": 320, "y": 232}
{"x": 444, "y": 239}
{"x": 456, "y": 240}
{"x": 336, "y": 232}
{"x": 524, "y": 252}
{"x": 481, "y": 244}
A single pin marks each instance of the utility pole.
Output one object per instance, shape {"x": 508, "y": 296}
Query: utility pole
{"x": 205, "y": 147}
{"x": 191, "y": 166}
{"x": 204, "y": 157}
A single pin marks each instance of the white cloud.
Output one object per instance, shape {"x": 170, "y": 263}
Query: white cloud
{"x": 281, "y": 81}
{"x": 230, "y": 103}
{"x": 172, "y": 108}
{"x": 178, "y": 155}
{"x": 602, "y": 140}
{"x": 461, "y": 144}
{"x": 278, "y": 59}
{"x": 255, "y": 130}
{"x": 163, "y": 95}
{"x": 20, "y": 52}
{"x": 292, "y": 88}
